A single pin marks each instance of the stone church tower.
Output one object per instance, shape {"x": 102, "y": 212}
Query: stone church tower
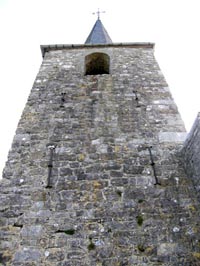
{"x": 96, "y": 174}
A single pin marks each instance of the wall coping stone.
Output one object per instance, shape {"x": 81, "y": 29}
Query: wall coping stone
{"x": 53, "y": 47}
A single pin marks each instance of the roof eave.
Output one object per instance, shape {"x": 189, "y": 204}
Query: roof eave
{"x": 53, "y": 47}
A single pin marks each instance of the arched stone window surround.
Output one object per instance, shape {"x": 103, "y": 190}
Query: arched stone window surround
{"x": 97, "y": 64}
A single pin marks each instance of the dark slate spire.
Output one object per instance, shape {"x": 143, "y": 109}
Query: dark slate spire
{"x": 98, "y": 34}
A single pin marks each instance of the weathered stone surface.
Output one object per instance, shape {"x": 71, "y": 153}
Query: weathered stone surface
{"x": 172, "y": 136}
{"x": 27, "y": 254}
{"x": 167, "y": 249}
{"x": 191, "y": 151}
{"x": 79, "y": 185}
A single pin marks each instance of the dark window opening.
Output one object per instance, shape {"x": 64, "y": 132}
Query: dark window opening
{"x": 97, "y": 64}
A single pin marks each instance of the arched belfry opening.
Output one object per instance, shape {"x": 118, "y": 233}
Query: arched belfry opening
{"x": 97, "y": 64}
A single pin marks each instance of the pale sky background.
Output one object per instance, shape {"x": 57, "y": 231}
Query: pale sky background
{"x": 174, "y": 26}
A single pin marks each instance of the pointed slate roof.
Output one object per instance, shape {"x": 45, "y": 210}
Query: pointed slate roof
{"x": 98, "y": 34}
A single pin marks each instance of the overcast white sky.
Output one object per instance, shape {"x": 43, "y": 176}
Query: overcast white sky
{"x": 25, "y": 24}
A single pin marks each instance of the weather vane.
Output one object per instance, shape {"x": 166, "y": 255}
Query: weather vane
{"x": 98, "y": 13}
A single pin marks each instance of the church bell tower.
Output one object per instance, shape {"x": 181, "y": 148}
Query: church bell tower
{"x": 95, "y": 174}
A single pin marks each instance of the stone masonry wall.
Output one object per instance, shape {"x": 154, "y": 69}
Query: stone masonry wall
{"x": 94, "y": 176}
{"x": 191, "y": 153}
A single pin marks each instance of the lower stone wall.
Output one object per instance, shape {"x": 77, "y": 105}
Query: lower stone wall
{"x": 191, "y": 154}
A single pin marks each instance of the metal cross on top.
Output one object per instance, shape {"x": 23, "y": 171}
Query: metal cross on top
{"x": 98, "y": 13}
